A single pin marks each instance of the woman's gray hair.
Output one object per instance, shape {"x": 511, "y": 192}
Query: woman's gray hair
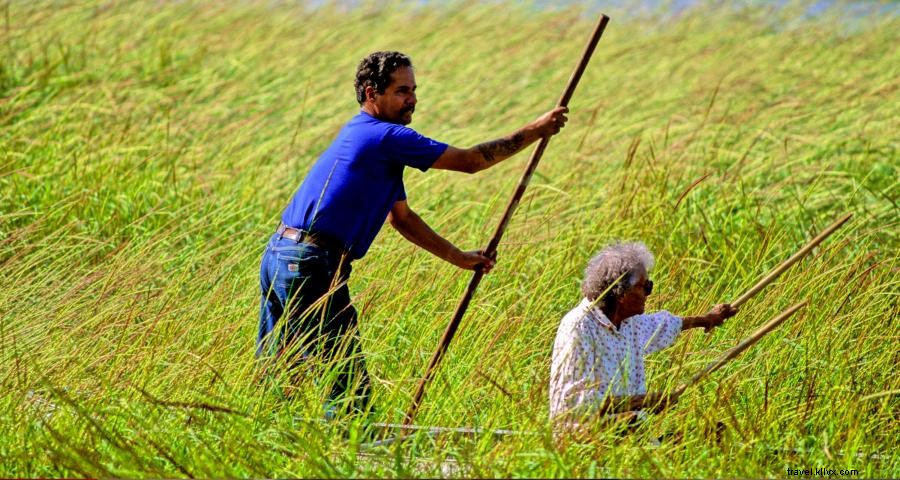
{"x": 618, "y": 260}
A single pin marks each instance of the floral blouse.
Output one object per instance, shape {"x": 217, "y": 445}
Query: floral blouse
{"x": 593, "y": 359}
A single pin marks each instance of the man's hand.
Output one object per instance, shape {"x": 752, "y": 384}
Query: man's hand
{"x": 473, "y": 259}
{"x": 717, "y": 315}
{"x": 551, "y": 122}
{"x": 414, "y": 229}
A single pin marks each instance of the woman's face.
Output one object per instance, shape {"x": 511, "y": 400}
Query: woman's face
{"x": 634, "y": 300}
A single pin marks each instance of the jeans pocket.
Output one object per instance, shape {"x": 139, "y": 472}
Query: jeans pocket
{"x": 294, "y": 266}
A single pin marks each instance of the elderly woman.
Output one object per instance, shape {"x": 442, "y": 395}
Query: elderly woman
{"x": 598, "y": 356}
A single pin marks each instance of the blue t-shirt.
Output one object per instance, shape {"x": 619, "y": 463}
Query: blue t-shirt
{"x": 351, "y": 188}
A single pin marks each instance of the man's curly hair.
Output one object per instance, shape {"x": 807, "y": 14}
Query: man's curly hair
{"x": 375, "y": 71}
{"x": 615, "y": 269}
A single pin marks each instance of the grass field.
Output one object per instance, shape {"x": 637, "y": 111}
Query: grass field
{"x": 148, "y": 148}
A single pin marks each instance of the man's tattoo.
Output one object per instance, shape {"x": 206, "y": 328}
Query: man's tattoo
{"x": 503, "y": 147}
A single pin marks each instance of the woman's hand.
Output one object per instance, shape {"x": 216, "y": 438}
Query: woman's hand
{"x": 656, "y": 402}
{"x": 718, "y": 314}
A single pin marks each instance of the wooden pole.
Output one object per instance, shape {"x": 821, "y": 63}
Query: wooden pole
{"x": 498, "y": 234}
{"x": 737, "y": 349}
{"x": 775, "y": 273}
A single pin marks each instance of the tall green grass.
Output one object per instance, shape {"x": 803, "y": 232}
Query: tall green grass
{"x": 147, "y": 149}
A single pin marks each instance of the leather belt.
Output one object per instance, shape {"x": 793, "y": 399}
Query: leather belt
{"x": 312, "y": 238}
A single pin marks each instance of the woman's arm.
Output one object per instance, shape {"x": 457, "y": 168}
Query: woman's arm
{"x": 715, "y": 317}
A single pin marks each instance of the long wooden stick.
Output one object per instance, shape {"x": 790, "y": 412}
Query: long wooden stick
{"x": 498, "y": 234}
{"x": 769, "y": 278}
{"x": 777, "y": 271}
{"x": 737, "y": 349}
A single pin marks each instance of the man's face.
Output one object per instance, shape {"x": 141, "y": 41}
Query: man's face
{"x": 398, "y": 102}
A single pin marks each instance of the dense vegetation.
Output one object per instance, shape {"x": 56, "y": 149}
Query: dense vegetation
{"x": 147, "y": 149}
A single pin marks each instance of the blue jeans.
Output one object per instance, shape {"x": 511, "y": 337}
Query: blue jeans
{"x": 305, "y": 312}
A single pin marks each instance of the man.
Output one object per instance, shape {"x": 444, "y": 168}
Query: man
{"x": 339, "y": 208}
{"x": 598, "y": 356}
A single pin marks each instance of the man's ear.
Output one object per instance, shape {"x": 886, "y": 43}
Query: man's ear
{"x": 370, "y": 92}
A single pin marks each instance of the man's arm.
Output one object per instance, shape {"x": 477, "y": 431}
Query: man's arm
{"x": 487, "y": 154}
{"x": 713, "y": 318}
{"x": 414, "y": 229}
